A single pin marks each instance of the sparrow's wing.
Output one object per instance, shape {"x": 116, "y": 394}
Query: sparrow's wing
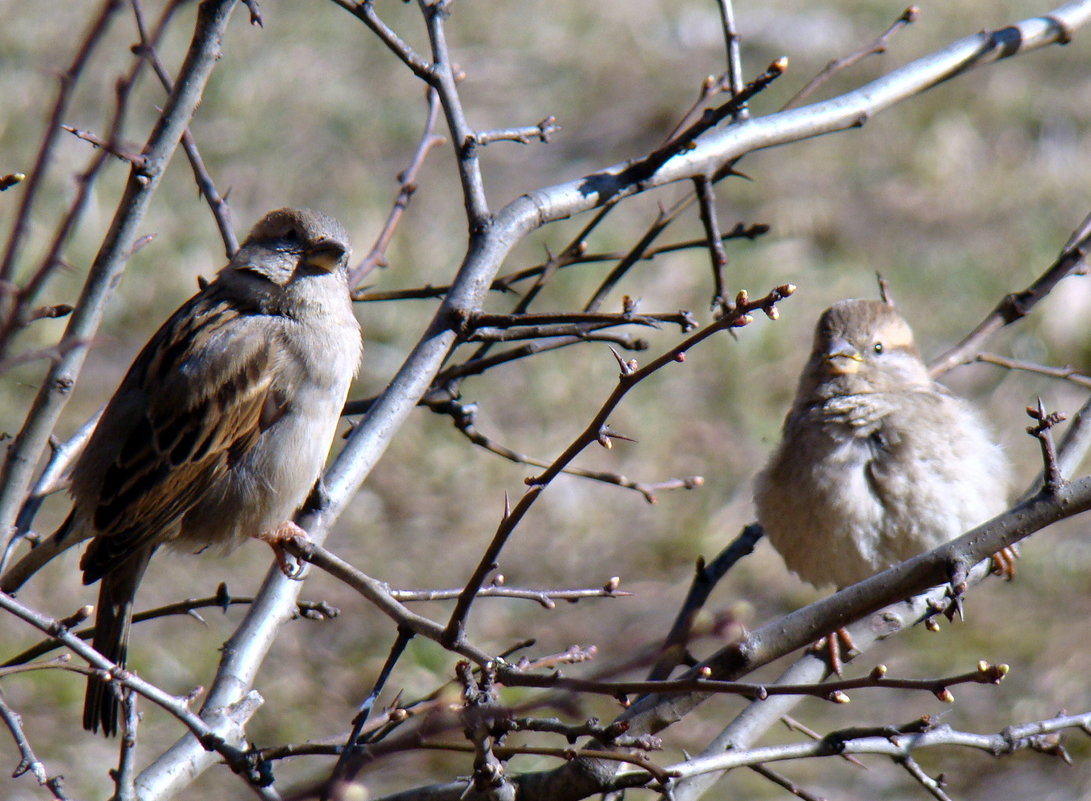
{"x": 913, "y": 437}
{"x": 194, "y": 402}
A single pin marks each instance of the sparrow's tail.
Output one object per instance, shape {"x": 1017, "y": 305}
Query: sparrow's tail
{"x": 113, "y": 616}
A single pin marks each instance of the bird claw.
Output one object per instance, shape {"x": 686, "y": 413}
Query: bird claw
{"x": 837, "y": 648}
{"x": 275, "y": 539}
{"x": 1003, "y": 562}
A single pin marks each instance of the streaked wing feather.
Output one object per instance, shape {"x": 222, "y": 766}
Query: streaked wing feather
{"x": 205, "y": 412}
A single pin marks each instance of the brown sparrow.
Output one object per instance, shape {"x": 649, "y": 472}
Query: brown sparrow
{"x": 222, "y": 424}
{"x": 878, "y": 462}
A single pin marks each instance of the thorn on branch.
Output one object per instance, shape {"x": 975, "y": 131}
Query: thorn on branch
{"x": 141, "y": 243}
{"x": 884, "y": 289}
{"x": 1051, "y": 745}
{"x": 136, "y": 159}
{"x": 59, "y": 310}
{"x": 628, "y": 367}
{"x": 10, "y": 180}
{"x": 606, "y": 434}
{"x": 255, "y": 12}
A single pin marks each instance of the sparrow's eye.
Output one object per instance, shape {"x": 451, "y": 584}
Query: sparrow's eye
{"x": 878, "y": 347}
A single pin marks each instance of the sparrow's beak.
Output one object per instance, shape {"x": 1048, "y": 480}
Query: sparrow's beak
{"x": 841, "y": 358}
{"x": 325, "y": 254}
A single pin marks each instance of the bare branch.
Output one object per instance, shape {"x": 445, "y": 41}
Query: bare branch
{"x": 1043, "y": 432}
{"x": 100, "y": 24}
{"x": 221, "y": 212}
{"x": 568, "y": 258}
{"x": 111, "y": 258}
{"x": 365, "y": 12}
{"x": 464, "y": 417}
{"x": 177, "y": 707}
{"x": 898, "y": 744}
{"x": 877, "y": 47}
{"x": 379, "y": 594}
{"x": 28, "y": 761}
{"x": 376, "y": 257}
{"x": 1018, "y": 304}
{"x": 524, "y": 136}
{"x": 673, "y": 650}
{"x": 1068, "y": 373}
{"x": 706, "y": 197}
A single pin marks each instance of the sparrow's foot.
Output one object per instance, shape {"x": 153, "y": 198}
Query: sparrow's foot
{"x": 1004, "y": 562}
{"x": 276, "y": 537}
{"x": 837, "y": 648}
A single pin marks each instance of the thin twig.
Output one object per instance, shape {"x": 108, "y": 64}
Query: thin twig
{"x": 524, "y": 135}
{"x": 734, "y": 56}
{"x": 85, "y": 182}
{"x": 596, "y": 432}
{"x": 545, "y": 598}
{"x": 897, "y": 745}
{"x": 110, "y": 261}
{"x": 478, "y": 365}
{"x": 706, "y": 197}
{"x": 379, "y": 595}
{"x": 127, "y": 152}
{"x": 11, "y": 179}
{"x": 1017, "y": 305}
{"x": 705, "y": 579}
{"x": 407, "y": 180}
{"x": 644, "y": 168}
{"x": 638, "y": 759}
{"x": 786, "y": 783}
{"x": 351, "y": 749}
{"x": 683, "y": 319}
{"x": 445, "y": 81}
{"x": 221, "y": 211}
{"x": 934, "y": 788}
{"x": 1068, "y": 373}
{"x": 111, "y": 672}
{"x": 566, "y": 259}
{"x": 67, "y": 83}
{"x": 834, "y": 692}
{"x": 1043, "y": 432}
{"x": 877, "y": 47}
{"x": 365, "y": 12}
{"x": 28, "y": 760}
{"x": 222, "y": 600}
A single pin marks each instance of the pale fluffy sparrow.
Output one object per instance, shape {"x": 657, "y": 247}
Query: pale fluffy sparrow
{"x": 222, "y": 424}
{"x": 878, "y": 462}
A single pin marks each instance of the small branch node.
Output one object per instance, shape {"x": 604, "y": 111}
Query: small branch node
{"x": 1052, "y": 477}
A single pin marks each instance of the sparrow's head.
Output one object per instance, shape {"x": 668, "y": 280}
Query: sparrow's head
{"x": 862, "y": 346}
{"x": 290, "y": 244}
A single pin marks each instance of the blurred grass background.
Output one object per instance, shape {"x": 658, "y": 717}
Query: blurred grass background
{"x": 957, "y": 197}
